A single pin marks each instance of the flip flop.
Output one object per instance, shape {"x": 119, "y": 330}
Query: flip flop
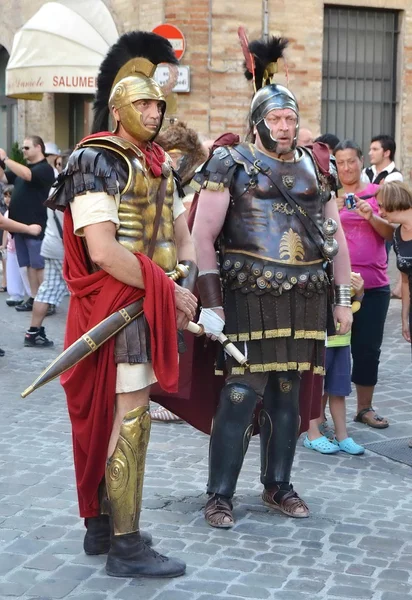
{"x": 375, "y": 420}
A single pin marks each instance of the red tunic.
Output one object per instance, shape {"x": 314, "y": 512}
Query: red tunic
{"x": 90, "y": 385}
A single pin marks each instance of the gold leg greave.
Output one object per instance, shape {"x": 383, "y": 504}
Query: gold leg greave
{"x": 125, "y": 471}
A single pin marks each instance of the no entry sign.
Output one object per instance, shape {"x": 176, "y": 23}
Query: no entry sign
{"x": 175, "y": 37}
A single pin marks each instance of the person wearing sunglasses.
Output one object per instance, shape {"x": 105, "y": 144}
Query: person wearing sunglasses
{"x": 32, "y": 183}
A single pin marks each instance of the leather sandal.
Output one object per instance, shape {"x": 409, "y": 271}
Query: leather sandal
{"x": 218, "y": 512}
{"x": 373, "y": 420}
{"x": 286, "y": 501}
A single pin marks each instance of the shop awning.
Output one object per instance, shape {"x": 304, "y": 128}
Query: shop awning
{"x": 60, "y": 49}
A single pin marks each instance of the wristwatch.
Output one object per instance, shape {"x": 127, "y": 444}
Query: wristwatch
{"x": 3, "y": 162}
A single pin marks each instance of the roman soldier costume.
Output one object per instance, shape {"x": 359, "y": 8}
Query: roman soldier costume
{"x": 138, "y": 176}
{"x": 272, "y": 285}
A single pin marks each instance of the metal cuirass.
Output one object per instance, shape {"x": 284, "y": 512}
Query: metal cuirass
{"x": 261, "y": 223}
{"x": 137, "y": 208}
{"x": 137, "y": 213}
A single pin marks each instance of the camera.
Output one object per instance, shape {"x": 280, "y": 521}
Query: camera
{"x": 350, "y": 202}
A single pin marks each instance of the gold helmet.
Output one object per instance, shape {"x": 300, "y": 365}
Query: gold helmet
{"x": 125, "y": 77}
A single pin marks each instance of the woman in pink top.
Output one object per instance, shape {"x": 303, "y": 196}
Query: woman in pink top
{"x": 366, "y": 233}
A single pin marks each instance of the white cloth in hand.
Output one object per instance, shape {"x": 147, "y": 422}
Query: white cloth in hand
{"x": 211, "y": 321}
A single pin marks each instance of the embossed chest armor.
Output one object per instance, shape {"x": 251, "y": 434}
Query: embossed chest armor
{"x": 137, "y": 209}
{"x": 261, "y": 223}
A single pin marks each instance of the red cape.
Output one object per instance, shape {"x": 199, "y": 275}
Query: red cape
{"x": 199, "y": 388}
{"x": 90, "y": 385}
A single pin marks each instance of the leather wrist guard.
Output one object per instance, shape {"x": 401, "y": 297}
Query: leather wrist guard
{"x": 189, "y": 282}
{"x": 210, "y": 290}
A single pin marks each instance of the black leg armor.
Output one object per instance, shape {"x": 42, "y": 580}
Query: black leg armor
{"x": 279, "y": 427}
{"x": 232, "y": 429}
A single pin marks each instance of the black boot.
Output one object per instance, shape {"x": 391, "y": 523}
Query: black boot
{"x": 129, "y": 556}
{"x": 229, "y": 440}
{"x": 97, "y": 538}
{"x": 279, "y": 427}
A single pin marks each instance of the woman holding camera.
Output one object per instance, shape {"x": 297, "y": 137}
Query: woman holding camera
{"x": 365, "y": 233}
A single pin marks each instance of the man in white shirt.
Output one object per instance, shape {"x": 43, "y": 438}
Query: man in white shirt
{"x": 382, "y": 155}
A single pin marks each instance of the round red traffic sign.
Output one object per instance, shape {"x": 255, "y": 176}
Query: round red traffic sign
{"x": 175, "y": 37}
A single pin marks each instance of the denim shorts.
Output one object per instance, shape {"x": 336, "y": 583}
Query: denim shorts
{"x": 28, "y": 251}
{"x": 338, "y": 371}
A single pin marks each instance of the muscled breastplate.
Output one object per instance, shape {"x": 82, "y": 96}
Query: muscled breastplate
{"x": 137, "y": 209}
{"x": 137, "y": 212}
{"x": 260, "y": 222}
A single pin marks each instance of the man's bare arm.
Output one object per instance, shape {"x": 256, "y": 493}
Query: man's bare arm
{"x": 184, "y": 242}
{"x": 210, "y": 217}
{"x": 106, "y": 252}
{"x": 16, "y": 227}
{"x": 342, "y": 268}
{"x": 15, "y": 167}
{"x": 341, "y": 261}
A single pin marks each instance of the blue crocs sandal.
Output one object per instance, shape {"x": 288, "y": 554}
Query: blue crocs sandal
{"x": 322, "y": 445}
{"x": 349, "y": 446}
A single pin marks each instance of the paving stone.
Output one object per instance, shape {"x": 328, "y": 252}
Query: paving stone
{"x": 44, "y": 562}
{"x": 265, "y": 581}
{"x": 305, "y": 585}
{"x": 213, "y": 587}
{"x": 11, "y": 589}
{"x": 394, "y": 574}
{"x": 27, "y": 546}
{"x": 245, "y": 591}
{"x": 218, "y": 575}
{"x": 175, "y": 595}
{"x": 234, "y": 564}
{"x": 9, "y": 561}
{"x": 356, "y": 569}
{"x": 53, "y": 588}
{"x": 393, "y": 586}
{"x": 346, "y": 591}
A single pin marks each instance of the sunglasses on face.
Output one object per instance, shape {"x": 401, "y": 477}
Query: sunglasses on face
{"x": 25, "y": 147}
{"x": 7, "y": 194}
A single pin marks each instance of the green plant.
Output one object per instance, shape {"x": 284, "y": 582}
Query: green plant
{"x": 16, "y": 153}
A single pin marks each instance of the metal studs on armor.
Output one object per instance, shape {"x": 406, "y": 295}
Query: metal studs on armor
{"x": 236, "y": 397}
{"x": 293, "y": 280}
{"x": 261, "y": 283}
{"x": 285, "y": 386}
{"x": 286, "y": 286}
{"x": 279, "y": 275}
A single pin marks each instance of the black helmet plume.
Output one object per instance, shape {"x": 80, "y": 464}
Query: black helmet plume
{"x": 264, "y": 53}
{"x": 130, "y": 45}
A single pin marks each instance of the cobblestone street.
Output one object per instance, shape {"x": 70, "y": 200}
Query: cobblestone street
{"x": 357, "y": 543}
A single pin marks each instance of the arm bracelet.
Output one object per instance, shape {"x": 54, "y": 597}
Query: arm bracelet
{"x": 189, "y": 282}
{"x": 210, "y": 290}
{"x": 343, "y": 295}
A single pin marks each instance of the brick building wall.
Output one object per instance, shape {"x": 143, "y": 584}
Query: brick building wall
{"x": 220, "y": 96}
